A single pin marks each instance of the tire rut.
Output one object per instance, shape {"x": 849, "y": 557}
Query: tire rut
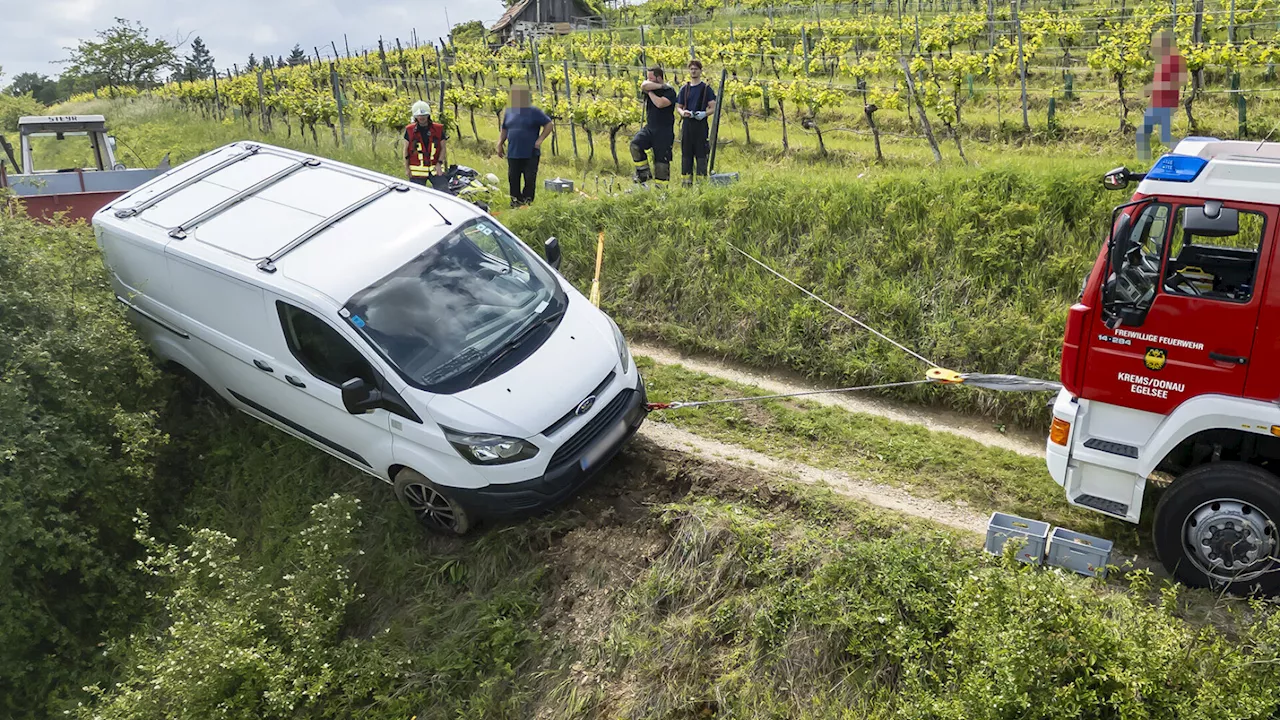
{"x": 1023, "y": 443}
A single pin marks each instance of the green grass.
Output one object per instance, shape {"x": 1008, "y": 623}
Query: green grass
{"x": 923, "y": 462}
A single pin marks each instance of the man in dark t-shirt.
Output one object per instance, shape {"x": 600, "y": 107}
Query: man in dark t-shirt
{"x": 659, "y": 131}
{"x": 524, "y": 127}
{"x": 696, "y": 102}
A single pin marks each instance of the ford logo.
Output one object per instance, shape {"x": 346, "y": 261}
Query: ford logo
{"x": 585, "y": 406}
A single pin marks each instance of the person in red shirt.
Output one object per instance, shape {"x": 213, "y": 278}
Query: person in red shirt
{"x": 1170, "y": 74}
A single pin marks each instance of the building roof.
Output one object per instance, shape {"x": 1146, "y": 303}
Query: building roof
{"x": 510, "y": 15}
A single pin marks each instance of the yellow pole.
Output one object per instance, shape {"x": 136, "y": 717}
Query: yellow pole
{"x": 595, "y": 284}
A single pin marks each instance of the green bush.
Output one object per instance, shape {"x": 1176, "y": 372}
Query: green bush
{"x": 13, "y": 107}
{"x": 974, "y": 270}
{"x": 237, "y": 642}
{"x": 769, "y": 617}
{"x": 78, "y": 399}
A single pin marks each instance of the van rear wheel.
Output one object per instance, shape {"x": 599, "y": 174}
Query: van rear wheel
{"x": 1216, "y": 527}
{"x": 430, "y": 504}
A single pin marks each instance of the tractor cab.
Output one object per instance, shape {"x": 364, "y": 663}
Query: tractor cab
{"x": 67, "y": 163}
{"x": 1168, "y": 364}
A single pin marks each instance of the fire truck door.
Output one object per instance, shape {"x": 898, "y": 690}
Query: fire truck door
{"x": 1195, "y": 275}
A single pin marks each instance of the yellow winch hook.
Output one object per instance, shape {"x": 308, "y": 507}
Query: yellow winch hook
{"x": 944, "y": 376}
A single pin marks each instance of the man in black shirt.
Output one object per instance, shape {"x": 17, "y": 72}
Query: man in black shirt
{"x": 659, "y": 131}
{"x": 695, "y": 103}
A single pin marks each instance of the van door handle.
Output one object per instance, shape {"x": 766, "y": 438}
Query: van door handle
{"x": 262, "y": 366}
{"x": 1228, "y": 358}
{"x": 295, "y": 381}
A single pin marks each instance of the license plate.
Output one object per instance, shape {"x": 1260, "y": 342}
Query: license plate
{"x": 603, "y": 445}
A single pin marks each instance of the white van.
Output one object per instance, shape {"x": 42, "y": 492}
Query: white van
{"x": 394, "y": 327}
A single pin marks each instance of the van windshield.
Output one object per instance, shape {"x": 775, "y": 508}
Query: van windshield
{"x": 440, "y": 317}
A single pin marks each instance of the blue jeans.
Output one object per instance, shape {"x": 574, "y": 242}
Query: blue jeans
{"x": 1162, "y": 116}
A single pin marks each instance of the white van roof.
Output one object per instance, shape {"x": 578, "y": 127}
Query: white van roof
{"x": 280, "y": 214}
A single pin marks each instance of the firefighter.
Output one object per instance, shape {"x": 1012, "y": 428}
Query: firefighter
{"x": 424, "y": 149}
{"x": 659, "y": 131}
{"x": 695, "y": 103}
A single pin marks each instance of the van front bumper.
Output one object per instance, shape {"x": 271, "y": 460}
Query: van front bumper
{"x": 588, "y": 452}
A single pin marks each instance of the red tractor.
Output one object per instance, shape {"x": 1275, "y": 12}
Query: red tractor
{"x": 1170, "y": 364}
{"x": 68, "y": 163}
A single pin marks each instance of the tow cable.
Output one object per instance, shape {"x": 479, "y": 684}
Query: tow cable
{"x": 935, "y": 375}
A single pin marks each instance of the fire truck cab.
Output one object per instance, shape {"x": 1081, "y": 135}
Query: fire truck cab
{"x": 1171, "y": 363}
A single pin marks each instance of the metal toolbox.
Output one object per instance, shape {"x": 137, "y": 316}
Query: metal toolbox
{"x": 1002, "y": 527}
{"x": 1078, "y": 552}
{"x": 557, "y": 185}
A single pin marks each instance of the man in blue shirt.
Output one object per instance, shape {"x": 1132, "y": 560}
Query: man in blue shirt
{"x": 524, "y": 127}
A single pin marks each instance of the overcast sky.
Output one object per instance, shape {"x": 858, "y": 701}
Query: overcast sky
{"x": 32, "y": 34}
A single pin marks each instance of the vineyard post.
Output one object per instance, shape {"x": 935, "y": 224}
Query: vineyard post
{"x": 1197, "y": 37}
{"x": 426, "y": 86}
{"x": 337, "y": 97}
{"x": 715, "y": 123}
{"x": 537, "y": 65}
{"x": 335, "y": 49}
{"x": 346, "y": 45}
{"x": 644, "y": 63}
{"x": 263, "y": 121}
{"x": 924, "y": 118}
{"x": 217, "y": 101}
{"x": 568, "y": 93}
{"x": 382, "y": 55}
{"x": 730, "y": 31}
{"x": 693, "y": 54}
{"x": 316, "y": 48}
{"x": 991, "y": 24}
{"x": 1231, "y": 24}
{"x": 804, "y": 43}
{"x": 1022, "y": 65}
{"x": 440, "y": 71}
{"x": 275, "y": 82}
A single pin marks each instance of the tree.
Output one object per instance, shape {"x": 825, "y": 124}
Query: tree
{"x": 199, "y": 65}
{"x": 297, "y": 56}
{"x": 123, "y": 54}
{"x": 252, "y": 64}
{"x": 43, "y": 88}
{"x": 472, "y": 31}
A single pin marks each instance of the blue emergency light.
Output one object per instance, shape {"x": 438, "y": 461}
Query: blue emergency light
{"x": 1177, "y": 168}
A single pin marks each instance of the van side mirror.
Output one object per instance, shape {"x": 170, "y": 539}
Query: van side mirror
{"x": 359, "y": 398}
{"x": 552, "y": 247}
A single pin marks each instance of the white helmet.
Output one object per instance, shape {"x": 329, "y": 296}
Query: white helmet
{"x": 421, "y": 108}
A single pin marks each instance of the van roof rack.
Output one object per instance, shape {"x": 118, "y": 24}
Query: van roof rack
{"x": 268, "y": 264}
{"x": 249, "y": 151}
{"x": 179, "y": 232}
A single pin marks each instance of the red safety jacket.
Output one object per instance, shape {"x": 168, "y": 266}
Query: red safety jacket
{"x": 423, "y": 153}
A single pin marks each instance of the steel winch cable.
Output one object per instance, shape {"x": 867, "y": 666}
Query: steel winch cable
{"x": 935, "y": 375}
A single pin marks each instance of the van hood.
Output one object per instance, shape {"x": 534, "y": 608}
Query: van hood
{"x": 528, "y": 398}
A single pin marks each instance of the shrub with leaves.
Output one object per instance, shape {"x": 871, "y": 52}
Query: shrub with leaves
{"x": 78, "y": 435}
{"x": 238, "y": 642}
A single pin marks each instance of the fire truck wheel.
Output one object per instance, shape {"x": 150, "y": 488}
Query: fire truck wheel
{"x": 1216, "y": 527}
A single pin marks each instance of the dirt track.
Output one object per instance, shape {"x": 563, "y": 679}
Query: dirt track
{"x": 933, "y": 419}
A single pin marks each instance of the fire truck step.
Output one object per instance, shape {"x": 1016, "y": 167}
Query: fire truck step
{"x": 1111, "y": 507}
{"x": 1114, "y": 448}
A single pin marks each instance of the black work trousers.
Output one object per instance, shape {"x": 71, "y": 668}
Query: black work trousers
{"x": 694, "y": 147}
{"x": 522, "y": 175}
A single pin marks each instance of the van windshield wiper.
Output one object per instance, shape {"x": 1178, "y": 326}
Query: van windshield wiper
{"x": 514, "y": 343}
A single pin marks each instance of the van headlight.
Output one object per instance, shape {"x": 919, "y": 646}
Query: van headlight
{"x": 624, "y": 352}
{"x": 483, "y": 449}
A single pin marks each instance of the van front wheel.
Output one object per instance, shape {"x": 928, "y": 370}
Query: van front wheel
{"x": 1216, "y": 527}
{"x": 430, "y": 504}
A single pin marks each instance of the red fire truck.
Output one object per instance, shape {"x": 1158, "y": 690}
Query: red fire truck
{"x": 1171, "y": 364}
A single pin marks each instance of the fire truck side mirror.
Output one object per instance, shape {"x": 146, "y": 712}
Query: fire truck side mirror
{"x": 1117, "y": 179}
